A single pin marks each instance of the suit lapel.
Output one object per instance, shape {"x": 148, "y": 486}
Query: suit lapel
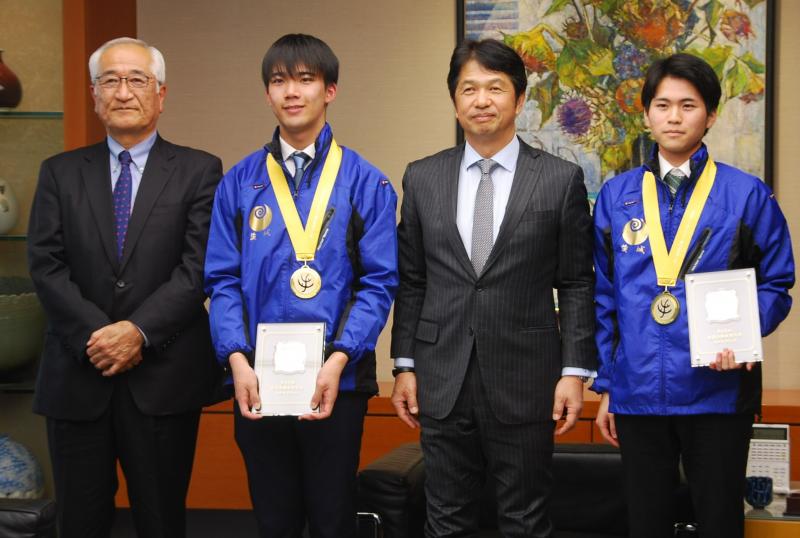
{"x": 96, "y": 174}
{"x": 526, "y": 178}
{"x": 157, "y": 173}
{"x": 451, "y": 168}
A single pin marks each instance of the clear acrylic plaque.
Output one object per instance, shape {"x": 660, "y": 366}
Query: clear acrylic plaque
{"x": 288, "y": 359}
{"x": 722, "y": 308}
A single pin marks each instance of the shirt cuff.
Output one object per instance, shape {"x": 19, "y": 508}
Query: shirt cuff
{"x": 578, "y": 372}
{"x": 404, "y": 362}
{"x": 146, "y": 341}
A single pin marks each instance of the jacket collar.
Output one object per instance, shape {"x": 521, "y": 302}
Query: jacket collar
{"x": 696, "y": 162}
{"x": 321, "y": 144}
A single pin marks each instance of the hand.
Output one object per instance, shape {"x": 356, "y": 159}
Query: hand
{"x": 404, "y": 398}
{"x": 569, "y": 394}
{"x": 605, "y": 421}
{"x": 115, "y": 348}
{"x": 245, "y": 386}
{"x": 327, "y": 387}
{"x": 726, "y": 360}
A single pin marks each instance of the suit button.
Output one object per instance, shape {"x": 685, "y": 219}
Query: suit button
{"x": 478, "y": 287}
{"x": 471, "y": 332}
{"x": 120, "y": 283}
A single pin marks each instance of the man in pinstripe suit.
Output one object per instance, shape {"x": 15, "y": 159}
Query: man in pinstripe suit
{"x": 487, "y": 230}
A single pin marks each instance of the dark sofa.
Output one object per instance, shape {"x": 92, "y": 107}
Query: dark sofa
{"x": 587, "y": 501}
{"x": 23, "y": 518}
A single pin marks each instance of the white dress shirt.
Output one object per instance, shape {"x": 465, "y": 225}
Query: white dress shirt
{"x": 665, "y": 167}
{"x": 287, "y": 150}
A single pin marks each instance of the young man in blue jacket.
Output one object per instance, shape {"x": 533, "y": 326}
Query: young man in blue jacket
{"x": 302, "y": 470}
{"x": 655, "y": 406}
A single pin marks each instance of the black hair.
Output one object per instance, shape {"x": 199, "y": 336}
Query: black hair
{"x": 293, "y": 51}
{"x": 690, "y": 68}
{"x": 491, "y": 54}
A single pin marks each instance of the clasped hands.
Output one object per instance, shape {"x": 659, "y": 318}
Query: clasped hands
{"x": 115, "y": 348}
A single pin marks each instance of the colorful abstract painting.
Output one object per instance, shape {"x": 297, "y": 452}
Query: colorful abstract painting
{"x": 586, "y": 61}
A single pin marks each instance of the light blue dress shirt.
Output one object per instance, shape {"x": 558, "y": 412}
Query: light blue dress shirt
{"x": 469, "y": 177}
{"x": 139, "y": 154}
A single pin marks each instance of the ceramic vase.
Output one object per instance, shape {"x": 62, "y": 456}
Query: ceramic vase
{"x": 22, "y": 324}
{"x": 9, "y": 208}
{"x": 20, "y": 474}
{"x": 10, "y": 88}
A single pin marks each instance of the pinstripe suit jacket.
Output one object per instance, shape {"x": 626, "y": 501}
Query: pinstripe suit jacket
{"x": 507, "y": 312}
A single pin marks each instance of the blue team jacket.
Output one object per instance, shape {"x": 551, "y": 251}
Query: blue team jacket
{"x": 250, "y": 258}
{"x": 646, "y": 366}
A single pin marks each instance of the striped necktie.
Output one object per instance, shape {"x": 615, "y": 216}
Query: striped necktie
{"x": 483, "y": 217}
{"x": 674, "y": 180}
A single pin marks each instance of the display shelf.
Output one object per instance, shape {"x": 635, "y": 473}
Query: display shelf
{"x": 13, "y": 237}
{"x": 31, "y": 114}
{"x": 20, "y": 380}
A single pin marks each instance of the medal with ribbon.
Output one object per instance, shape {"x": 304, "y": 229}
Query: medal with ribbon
{"x": 665, "y": 307}
{"x": 305, "y": 282}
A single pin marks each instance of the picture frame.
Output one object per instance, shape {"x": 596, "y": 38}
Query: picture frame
{"x": 586, "y": 59}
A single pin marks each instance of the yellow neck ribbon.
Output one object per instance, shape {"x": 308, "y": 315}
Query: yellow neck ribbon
{"x": 304, "y": 240}
{"x": 668, "y": 264}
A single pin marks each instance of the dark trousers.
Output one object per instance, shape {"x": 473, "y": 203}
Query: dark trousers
{"x": 470, "y": 446}
{"x": 304, "y": 470}
{"x": 713, "y": 449}
{"x": 156, "y": 454}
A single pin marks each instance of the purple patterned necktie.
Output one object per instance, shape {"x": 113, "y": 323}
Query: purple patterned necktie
{"x": 122, "y": 200}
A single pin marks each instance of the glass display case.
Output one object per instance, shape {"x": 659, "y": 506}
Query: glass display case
{"x": 26, "y": 138}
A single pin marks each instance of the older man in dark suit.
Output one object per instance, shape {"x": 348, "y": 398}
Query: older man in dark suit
{"x": 488, "y": 229}
{"x": 117, "y": 241}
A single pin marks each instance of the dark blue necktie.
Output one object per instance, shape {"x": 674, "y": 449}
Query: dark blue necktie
{"x": 122, "y": 200}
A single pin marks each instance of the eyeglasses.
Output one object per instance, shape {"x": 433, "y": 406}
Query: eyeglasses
{"x": 112, "y": 82}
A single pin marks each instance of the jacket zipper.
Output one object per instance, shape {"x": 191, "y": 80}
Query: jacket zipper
{"x": 664, "y": 327}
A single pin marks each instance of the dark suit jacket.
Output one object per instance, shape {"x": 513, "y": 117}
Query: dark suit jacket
{"x": 158, "y": 284}
{"x": 443, "y": 308}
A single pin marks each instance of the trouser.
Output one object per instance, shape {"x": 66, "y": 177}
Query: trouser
{"x": 156, "y": 454}
{"x": 304, "y": 470}
{"x": 713, "y": 449}
{"x": 470, "y": 446}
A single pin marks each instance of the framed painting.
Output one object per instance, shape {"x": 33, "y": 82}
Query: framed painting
{"x": 586, "y": 60}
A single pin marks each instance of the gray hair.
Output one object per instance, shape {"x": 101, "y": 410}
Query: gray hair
{"x": 157, "y": 65}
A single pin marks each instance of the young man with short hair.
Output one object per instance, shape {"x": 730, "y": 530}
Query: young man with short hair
{"x": 655, "y": 406}
{"x": 305, "y": 469}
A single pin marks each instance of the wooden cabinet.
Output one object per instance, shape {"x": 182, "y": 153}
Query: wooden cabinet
{"x": 219, "y": 479}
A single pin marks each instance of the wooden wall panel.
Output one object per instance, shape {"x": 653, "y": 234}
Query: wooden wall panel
{"x": 87, "y": 25}
{"x": 581, "y": 433}
{"x": 219, "y": 479}
{"x": 382, "y": 434}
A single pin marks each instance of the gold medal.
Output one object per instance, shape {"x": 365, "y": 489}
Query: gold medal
{"x": 665, "y": 308}
{"x": 306, "y": 282}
